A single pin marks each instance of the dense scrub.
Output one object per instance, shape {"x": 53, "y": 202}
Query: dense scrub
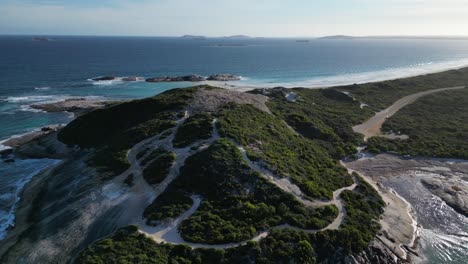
{"x": 381, "y": 95}
{"x": 195, "y": 128}
{"x": 237, "y": 202}
{"x": 437, "y": 126}
{"x": 281, "y": 246}
{"x": 158, "y": 168}
{"x": 112, "y": 131}
{"x": 267, "y": 138}
{"x": 323, "y": 115}
{"x": 170, "y": 204}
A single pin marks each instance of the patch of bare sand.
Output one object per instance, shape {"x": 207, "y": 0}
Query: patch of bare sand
{"x": 210, "y": 100}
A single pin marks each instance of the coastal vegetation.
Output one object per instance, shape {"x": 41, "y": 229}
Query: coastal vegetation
{"x": 271, "y": 142}
{"x": 236, "y": 202}
{"x": 113, "y": 130}
{"x": 437, "y": 126}
{"x": 325, "y": 116}
{"x": 282, "y": 245}
{"x": 158, "y": 169}
{"x": 195, "y": 128}
{"x": 169, "y": 204}
{"x": 380, "y": 95}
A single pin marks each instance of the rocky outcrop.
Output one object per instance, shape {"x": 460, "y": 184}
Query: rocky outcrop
{"x": 131, "y": 79}
{"x": 223, "y": 77}
{"x": 188, "y": 78}
{"x": 376, "y": 252}
{"x": 452, "y": 191}
{"x": 104, "y": 78}
{"x": 74, "y": 105}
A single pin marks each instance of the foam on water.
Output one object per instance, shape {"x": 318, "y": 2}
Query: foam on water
{"x": 42, "y": 88}
{"x": 364, "y": 77}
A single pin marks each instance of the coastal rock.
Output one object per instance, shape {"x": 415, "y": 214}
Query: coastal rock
{"x": 104, "y": 78}
{"x": 74, "y": 105}
{"x": 188, "y": 78}
{"x": 130, "y": 79}
{"x": 223, "y": 77}
{"x": 451, "y": 191}
{"x": 6, "y": 152}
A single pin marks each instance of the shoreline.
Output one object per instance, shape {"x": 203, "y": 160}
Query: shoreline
{"x": 346, "y": 79}
{"x": 393, "y": 210}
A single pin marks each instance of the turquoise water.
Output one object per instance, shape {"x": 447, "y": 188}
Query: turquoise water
{"x": 34, "y": 72}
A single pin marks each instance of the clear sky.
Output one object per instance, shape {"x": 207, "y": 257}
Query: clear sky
{"x": 266, "y": 18}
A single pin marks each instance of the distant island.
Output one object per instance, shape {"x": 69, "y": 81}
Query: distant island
{"x": 194, "y": 37}
{"x": 338, "y": 37}
{"x": 43, "y": 39}
{"x": 237, "y": 37}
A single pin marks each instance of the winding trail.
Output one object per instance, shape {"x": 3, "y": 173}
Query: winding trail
{"x": 372, "y": 127}
{"x": 168, "y": 232}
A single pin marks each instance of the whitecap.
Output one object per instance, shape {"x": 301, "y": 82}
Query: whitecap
{"x": 108, "y": 82}
{"x": 31, "y": 98}
{"x": 28, "y": 108}
{"x": 45, "y": 88}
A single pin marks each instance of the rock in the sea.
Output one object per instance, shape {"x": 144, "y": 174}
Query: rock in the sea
{"x": 223, "y": 77}
{"x": 130, "y": 79}
{"x": 6, "y": 152}
{"x": 74, "y": 105}
{"x": 9, "y": 160}
{"x": 47, "y": 129}
{"x": 188, "y": 78}
{"x": 104, "y": 78}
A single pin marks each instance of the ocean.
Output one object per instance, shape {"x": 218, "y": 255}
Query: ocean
{"x": 45, "y": 71}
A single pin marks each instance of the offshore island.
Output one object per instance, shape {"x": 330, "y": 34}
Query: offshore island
{"x": 271, "y": 175}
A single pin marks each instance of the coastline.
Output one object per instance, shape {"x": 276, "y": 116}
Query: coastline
{"x": 395, "y": 220}
{"x": 403, "y": 210}
{"x": 351, "y": 78}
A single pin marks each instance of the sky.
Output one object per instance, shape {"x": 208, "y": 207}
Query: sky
{"x": 260, "y": 18}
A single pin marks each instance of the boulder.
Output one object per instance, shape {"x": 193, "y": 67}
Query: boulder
{"x": 188, "y": 78}
{"x": 6, "y": 152}
{"x": 223, "y": 77}
{"x": 104, "y": 78}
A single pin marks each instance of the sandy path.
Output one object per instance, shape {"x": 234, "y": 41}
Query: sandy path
{"x": 372, "y": 127}
{"x": 168, "y": 232}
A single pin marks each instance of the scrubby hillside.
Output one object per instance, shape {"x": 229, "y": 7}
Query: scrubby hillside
{"x": 242, "y": 183}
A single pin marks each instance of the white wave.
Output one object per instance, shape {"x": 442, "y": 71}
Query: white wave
{"x": 28, "y": 108}
{"x": 42, "y": 88}
{"x": 34, "y": 98}
{"x": 108, "y": 82}
{"x": 364, "y": 77}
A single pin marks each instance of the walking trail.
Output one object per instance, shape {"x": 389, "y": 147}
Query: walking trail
{"x": 144, "y": 194}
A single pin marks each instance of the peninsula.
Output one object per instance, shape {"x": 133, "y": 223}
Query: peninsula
{"x": 272, "y": 175}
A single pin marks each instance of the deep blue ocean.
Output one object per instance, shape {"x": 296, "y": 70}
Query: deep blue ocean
{"x": 43, "y": 71}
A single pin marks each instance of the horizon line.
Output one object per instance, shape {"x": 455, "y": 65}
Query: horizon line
{"x": 239, "y": 35}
